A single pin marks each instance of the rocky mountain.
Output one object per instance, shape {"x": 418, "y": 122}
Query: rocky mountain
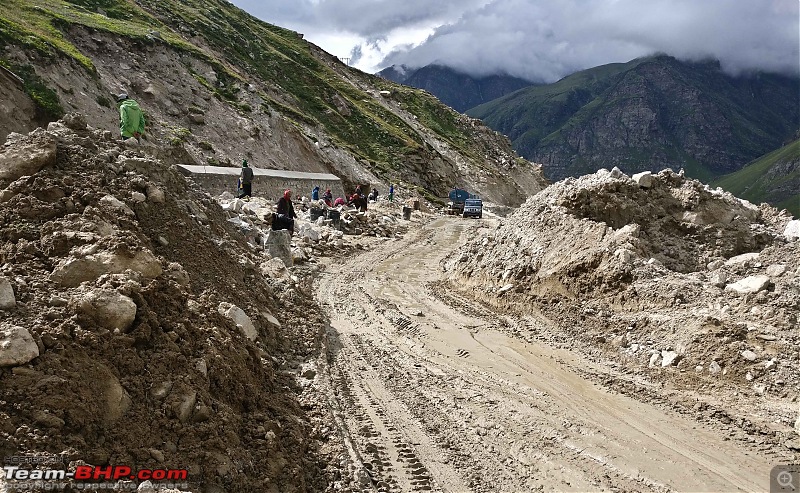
{"x": 455, "y": 89}
{"x": 218, "y": 85}
{"x": 772, "y": 178}
{"x": 648, "y": 114}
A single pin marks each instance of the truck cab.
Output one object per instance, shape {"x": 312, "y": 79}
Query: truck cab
{"x": 473, "y": 208}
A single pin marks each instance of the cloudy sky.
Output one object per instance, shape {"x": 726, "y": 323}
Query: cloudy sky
{"x": 543, "y": 40}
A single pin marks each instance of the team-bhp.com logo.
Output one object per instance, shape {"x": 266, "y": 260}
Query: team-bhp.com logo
{"x": 36, "y": 473}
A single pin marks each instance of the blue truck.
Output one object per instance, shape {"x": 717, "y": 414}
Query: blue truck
{"x": 457, "y": 198}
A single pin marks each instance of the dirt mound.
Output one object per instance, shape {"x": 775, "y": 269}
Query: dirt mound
{"x": 160, "y": 342}
{"x": 660, "y": 274}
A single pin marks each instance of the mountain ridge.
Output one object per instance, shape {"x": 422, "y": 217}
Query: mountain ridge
{"x": 649, "y": 113}
{"x": 456, "y": 89}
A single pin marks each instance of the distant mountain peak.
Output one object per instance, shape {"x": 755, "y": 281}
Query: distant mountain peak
{"x": 455, "y": 88}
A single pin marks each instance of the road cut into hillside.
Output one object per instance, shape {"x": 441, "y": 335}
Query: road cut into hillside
{"x": 433, "y": 392}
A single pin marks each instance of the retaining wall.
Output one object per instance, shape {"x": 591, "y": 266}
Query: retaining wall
{"x": 268, "y": 183}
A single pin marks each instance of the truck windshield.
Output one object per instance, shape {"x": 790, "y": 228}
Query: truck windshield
{"x": 473, "y": 202}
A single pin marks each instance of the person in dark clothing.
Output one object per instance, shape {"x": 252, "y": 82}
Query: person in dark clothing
{"x": 328, "y": 197}
{"x": 315, "y": 193}
{"x": 246, "y": 180}
{"x": 285, "y": 215}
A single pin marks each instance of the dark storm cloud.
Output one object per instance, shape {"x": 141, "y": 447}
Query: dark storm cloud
{"x": 544, "y": 40}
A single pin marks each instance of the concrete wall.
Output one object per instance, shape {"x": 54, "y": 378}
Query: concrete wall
{"x": 268, "y": 183}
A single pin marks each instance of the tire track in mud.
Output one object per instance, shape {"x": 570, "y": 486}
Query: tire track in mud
{"x": 437, "y": 398}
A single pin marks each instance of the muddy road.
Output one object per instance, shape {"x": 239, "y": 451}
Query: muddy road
{"x": 433, "y": 392}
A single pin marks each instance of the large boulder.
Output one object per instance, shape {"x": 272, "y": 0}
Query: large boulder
{"x": 26, "y": 155}
{"x": 17, "y": 346}
{"x": 792, "y": 231}
{"x": 108, "y": 309}
{"x": 749, "y": 285}
{"x": 240, "y": 318}
{"x": 73, "y": 271}
{"x": 279, "y": 245}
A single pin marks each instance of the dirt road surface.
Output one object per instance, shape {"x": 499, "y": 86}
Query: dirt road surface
{"x": 433, "y": 392}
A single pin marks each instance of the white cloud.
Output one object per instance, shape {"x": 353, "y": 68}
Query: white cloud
{"x": 544, "y": 39}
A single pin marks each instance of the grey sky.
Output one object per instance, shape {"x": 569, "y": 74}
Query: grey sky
{"x": 543, "y": 40}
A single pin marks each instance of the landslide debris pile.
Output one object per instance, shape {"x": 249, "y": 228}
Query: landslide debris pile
{"x": 315, "y": 235}
{"x": 136, "y": 327}
{"x": 657, "y": 271}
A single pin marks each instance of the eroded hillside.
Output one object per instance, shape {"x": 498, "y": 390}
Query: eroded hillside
{"x": 221, "y": 85}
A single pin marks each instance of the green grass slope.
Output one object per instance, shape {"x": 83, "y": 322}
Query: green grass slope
{"x": 773, "y": 178}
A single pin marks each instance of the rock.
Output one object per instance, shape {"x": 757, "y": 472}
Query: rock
{"x": 668, "y": 358}
{"x": 114, "y": 203}
{"x": 46, "y": 419}
{"x": 157, "y": 455}
{"x": 108, "y": 309}
{"x": 240, "y": 318}
{"x": 507, "y": 287}
{"x": 718, "y": 278}
{"x": 7, "y": 300}
{"x": 274, "y": 268}
{"x": 654, "y": 359}
{"x": 643, "y": 179}
{"x": 625, "y": 256}
{"x": 155, "y": 194}
{"x": 138, "y": 197}
{"x": 792, "y": 230}
{"x": 797, "y": 424}
{"x": 714, "y": 368}
{"x": 741, "y": 259}
{"x": 749, "y": 285}
{"x": 279, "y": 246}
{"x": 57, "y": 301}
{"x": 27, "y": 155}
{"x": 185, "y": 406}
{"x": 113, "y": 396}
{"x": 749, "y": 355}
{"x": 776, "y": 270}
{"x": 73, "y": 271}
{"x": 161, "y": 390}
{"x": 17, "y": 346}
{"x": 271, "y": 319}
{"x": 75, "y": 121}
